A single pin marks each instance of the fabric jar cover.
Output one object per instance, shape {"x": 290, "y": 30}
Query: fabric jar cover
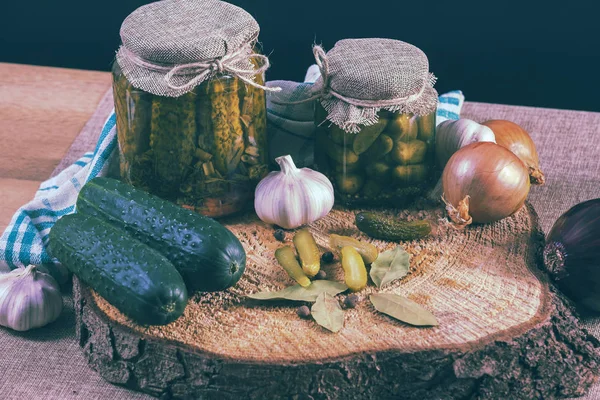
{"x": 359, "y": 77}
{"x": 171, "y": 46}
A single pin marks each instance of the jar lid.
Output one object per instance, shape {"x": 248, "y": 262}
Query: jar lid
{"x": 359, "y": 77}
{"x": 171, "y": 46}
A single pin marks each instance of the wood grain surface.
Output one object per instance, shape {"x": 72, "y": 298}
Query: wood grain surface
{"x": 478, "y": 282}
{"x": 499, "y": 325}
{"x": 42, "y": 110}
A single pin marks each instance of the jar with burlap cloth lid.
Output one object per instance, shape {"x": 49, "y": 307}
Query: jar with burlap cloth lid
{"x": 375, "y": 118}
{"x": 190, "y": 104}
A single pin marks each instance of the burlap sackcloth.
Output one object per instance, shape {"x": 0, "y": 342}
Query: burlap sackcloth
{"x": 360, "y": 77}
{"x": 48, "y": 363}
{"x": 169, "y": 47}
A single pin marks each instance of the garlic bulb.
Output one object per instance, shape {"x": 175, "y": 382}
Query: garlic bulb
{"x": 293, "y": 196}
{"x": 28, "y": 299}
{"x": 451, "y": 135}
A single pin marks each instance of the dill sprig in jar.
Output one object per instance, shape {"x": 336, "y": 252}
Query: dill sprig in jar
{"x": 190, "y": 102}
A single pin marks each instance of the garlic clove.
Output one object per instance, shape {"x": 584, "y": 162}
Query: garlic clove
{"x": 29, "y": 299}
{"x": 293, "y": 196}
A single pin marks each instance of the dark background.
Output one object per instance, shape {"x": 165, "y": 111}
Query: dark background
{"x": 539, "y": 53}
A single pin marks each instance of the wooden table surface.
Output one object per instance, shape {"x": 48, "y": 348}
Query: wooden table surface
{"x": 42, "y": 109}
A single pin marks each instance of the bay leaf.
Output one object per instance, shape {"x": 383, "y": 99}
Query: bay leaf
{"x": 402, "y": 309}
{"x": 327, "y": 312}
{"x": 299, "y": 293}
{"x": 389, "y": 266}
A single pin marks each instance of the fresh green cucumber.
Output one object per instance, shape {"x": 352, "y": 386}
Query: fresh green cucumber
{"x": 208, "y": 255}
{"x": 380, "y": 227}
{"x": 136, "y": 279}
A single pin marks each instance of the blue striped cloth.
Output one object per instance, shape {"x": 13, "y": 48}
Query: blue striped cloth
{"x": 449, "y": 106}
{"x": 25, "y": 238}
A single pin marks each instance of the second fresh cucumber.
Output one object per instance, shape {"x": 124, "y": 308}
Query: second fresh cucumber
{"x": 131, "y": 276}
{"x": 208, "y": 255}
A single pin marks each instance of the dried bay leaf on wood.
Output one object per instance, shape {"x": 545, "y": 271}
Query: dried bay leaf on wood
{"x": 389, "y": 266}
{"x": 299, "y": 293}
{"x": 402, "y": 309}
{"x": 327, "y": 312}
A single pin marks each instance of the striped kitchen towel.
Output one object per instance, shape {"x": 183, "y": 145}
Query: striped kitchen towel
{"x": 25, "y": 239}
{"x": 449, "y": 106}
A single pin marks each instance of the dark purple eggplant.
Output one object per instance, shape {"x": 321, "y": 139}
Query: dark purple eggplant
{"x": 572, "y": 253}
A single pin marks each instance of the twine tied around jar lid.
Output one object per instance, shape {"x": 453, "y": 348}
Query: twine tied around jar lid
{"x": 359, "y": 77}
{"x": 171, "y": 46}
{"x": 203, "y": 69}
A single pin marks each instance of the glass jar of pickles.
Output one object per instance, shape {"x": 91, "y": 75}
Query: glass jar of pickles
{"x": 191, "y": 111}
{"x": 387, "y": 163}
{"x": 375, "y": 118}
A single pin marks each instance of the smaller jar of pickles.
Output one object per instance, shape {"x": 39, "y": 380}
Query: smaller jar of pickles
{"x": 190, "y": 103}
{"x": 375, "y": 120}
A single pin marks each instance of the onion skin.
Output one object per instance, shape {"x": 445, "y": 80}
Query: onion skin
{"x": 516, "y": 139}
{"x": 572, "y": 253}
{"x": 484, "y": 182}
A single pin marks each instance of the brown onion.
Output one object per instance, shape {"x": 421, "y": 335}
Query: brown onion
{"x": 516, "y": 139}
{"x": 484, "y": 182}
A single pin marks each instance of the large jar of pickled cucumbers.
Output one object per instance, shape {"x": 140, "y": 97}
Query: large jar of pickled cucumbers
{"x": 190, "y": 103}
{"x": 375, "y": 120}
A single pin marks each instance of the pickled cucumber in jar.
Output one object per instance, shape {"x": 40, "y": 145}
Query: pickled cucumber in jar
{"x": 389, "y": 163}
{"x": 191, "y": 115}
{"x": 205, "y": 150}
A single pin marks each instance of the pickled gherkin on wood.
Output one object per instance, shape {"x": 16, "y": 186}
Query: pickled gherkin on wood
{"x": 368, "y": 251}
{"x": 355, "y": 272}
{"x": 308, "y": 252}
{"x": 287, "y": 259}
{"x": 381, "y": 227}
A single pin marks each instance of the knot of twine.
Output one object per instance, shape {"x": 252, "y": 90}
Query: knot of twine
{"x": 327, "y": 92}
{"x": 202, "y": 70}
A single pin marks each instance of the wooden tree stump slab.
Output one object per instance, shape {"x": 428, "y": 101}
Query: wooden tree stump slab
{"x": 503, "y": 332}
